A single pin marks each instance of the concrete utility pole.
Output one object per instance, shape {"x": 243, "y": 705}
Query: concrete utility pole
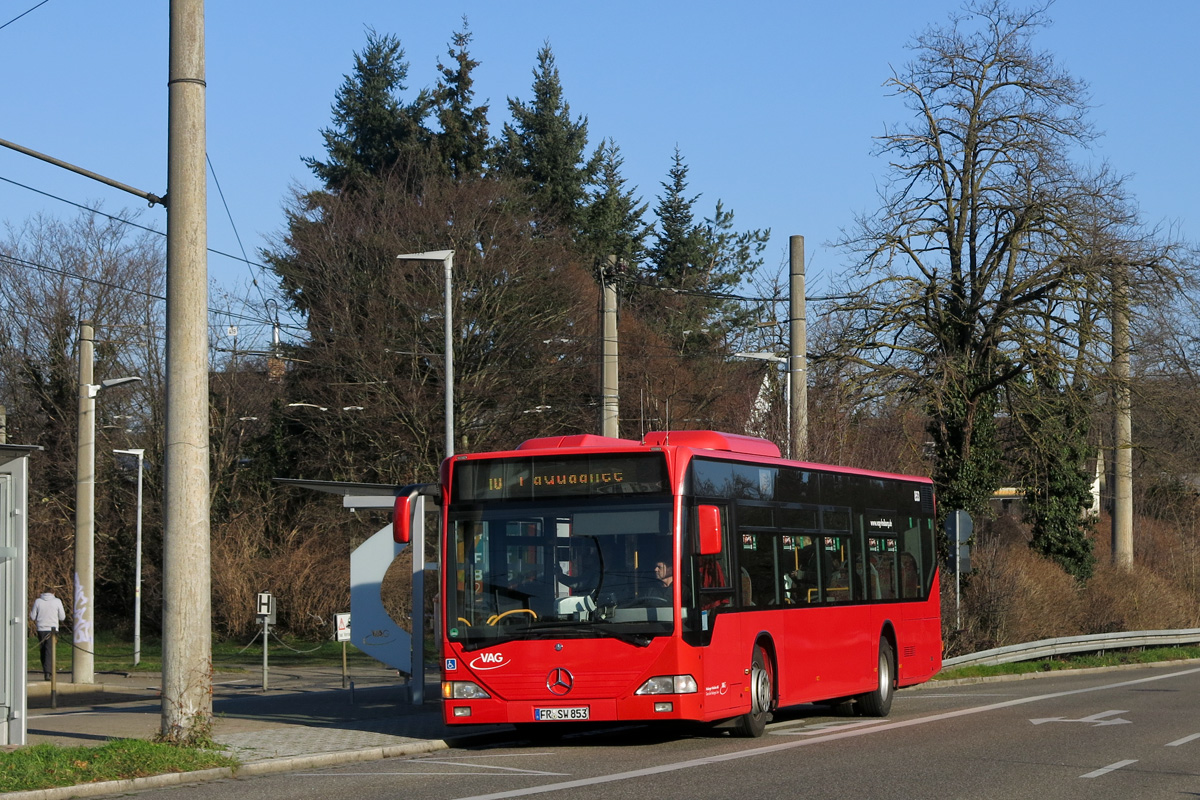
{"x": 798, "y": 353}
{"x": 1122, "y": 516}
{"x": 610, "y": 418}
{"x": 82, "y": 660}
{"x": 187, "y": 605}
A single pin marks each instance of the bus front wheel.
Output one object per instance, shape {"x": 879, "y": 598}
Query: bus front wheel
{"x": 762, "y": 696}
{"x": 878, "y": 703}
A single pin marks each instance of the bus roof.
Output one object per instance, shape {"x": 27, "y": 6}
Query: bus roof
{"x": 696, "y": 440}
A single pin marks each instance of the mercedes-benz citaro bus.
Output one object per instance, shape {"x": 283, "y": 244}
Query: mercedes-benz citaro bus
{"x": 694, "y": 575}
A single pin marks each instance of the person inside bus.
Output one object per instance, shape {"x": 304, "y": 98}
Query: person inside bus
{"x": 805, "y": 577}
{"x": 660, "y": 587}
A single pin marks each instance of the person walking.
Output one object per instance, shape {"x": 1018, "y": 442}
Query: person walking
{"x": 46, "y": 614}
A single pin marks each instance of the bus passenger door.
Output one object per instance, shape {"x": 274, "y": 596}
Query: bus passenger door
{"x": 707, "y": 598}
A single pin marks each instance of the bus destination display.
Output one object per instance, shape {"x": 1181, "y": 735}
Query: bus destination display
{"x": 572, "y": 476}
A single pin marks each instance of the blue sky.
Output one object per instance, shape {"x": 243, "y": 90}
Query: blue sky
{"x": 774, "y": 105}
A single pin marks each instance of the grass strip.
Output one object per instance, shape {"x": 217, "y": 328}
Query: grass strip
{"x": 45, "y": 766}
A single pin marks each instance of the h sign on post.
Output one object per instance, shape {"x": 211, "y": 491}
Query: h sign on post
{"x": 266, "y": 607}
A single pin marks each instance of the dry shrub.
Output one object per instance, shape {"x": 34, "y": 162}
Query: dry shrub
{"x": 1015, "y": 596}
{"x": 1012, "y": 595}
{"x": 307, "y": 570}
{"x": 1136, "y": 600}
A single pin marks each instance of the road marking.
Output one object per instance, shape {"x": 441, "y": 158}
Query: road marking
{"x": 63, "y": 714}
{"x": 1105, "y": 770}
{"x": 475, "y": 769}
{"x": 1098, "y": 719}
{"x": 821, "y": 727}
{"x": 789, "y": 745}
{"x": 1184, "y": 740}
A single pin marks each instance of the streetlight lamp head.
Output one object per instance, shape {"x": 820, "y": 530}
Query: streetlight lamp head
{"x": 112, "y": 382}
{"x": 428, "y": 255}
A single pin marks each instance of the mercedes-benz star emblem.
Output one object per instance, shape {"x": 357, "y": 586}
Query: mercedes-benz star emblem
{"x": 559, "y": 681}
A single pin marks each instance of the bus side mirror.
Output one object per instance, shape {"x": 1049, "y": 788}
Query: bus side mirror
{"x": 402, "y": 519}
{"x": 709, "y": 518}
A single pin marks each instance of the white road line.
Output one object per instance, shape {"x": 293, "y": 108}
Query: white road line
{"x": 775, "y": 748}
{"x": 520, "y": 774}
{"x": 1105, "y": 770}
{"x": 63, "y": 714}
{"x": 1184, "y": 740}
{"x": 820, "y": 728}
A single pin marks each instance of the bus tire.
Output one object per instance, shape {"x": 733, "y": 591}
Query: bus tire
{"x": 762, "y": 696}
{"x": 878, "y": 702}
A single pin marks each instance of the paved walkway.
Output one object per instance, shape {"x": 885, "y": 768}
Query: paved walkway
{"x": 304, "y": 719}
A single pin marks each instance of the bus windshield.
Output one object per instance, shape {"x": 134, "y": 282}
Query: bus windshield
{"x": 583, "y": 567}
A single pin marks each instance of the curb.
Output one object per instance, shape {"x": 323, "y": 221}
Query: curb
{"x": 256, "y": 768}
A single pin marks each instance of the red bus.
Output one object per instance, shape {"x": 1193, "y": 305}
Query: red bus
{"x": 694, "y": 575}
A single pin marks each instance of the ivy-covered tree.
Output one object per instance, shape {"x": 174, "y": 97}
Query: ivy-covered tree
{"x": 463, "y": 142}
{"x": 544, "y": 149}
{"x": 374, "y": 129}
{"x": 975, "y": 250}
{"x": 1053, "y": 464}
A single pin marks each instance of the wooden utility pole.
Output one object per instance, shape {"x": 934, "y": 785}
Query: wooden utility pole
{"x": 187, "y": 605}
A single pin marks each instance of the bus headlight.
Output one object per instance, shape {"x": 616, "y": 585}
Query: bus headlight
{"x": 463, "y": 690}
{"x": 669, "y": 684}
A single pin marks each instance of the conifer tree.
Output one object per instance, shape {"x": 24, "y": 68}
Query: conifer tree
{"x": 614, "y": 221}
{"x": 373, "y": 129}
{"x": 544, "y": 149}
{"x": 463, "y": 141}
{"x": 677, "y": 251}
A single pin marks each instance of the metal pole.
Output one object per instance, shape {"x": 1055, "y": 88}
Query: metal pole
{"x": 610, "y": 423}
{"x": 266, "y": 630}
{"x": 82, "y": 661}
{"x": 798, "y": 353}
{"x": 417, "y": 663}
{"x": 448, "y": 263}
{"x": 187, "y": 566}
{"x": 137, "y": 587}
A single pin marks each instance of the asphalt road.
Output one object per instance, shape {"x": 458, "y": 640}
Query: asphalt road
{"x": 1113, "y": 734}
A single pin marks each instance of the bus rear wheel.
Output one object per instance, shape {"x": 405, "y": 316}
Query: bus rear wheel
{"x": 878, "y": 703}
{"x": 762, "y": 696}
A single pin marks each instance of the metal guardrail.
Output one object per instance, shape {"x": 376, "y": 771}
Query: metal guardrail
{"x": 1031, "y": 651}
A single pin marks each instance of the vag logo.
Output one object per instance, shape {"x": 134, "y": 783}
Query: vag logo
{"x": 489, "y": 661}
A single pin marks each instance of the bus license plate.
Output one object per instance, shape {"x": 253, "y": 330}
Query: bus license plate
{"x": 551, "y": 714}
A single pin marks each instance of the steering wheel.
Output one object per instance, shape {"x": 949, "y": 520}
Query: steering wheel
{"x": 495, "y": 618}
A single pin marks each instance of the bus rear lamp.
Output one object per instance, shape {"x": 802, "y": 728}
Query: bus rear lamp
{"x": 668, "y": 684}
{"x": 463, "y": 690}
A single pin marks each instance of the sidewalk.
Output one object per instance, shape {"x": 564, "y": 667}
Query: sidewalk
{"x": 305, "y": 719}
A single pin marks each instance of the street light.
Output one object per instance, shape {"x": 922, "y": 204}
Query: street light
{"x": 761, "y": 356}
{"x": 137, "y": 568}
{"x": 84, "y": 606}
{"x": 447, "y": 259}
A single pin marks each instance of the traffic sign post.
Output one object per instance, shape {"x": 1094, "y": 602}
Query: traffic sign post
{"x": 959, "y": 529}
{"x": 341, "y": 634}
{"x": 266, "y": 615}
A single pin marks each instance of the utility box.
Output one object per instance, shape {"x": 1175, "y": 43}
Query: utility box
{"x": 14, "y": 600}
